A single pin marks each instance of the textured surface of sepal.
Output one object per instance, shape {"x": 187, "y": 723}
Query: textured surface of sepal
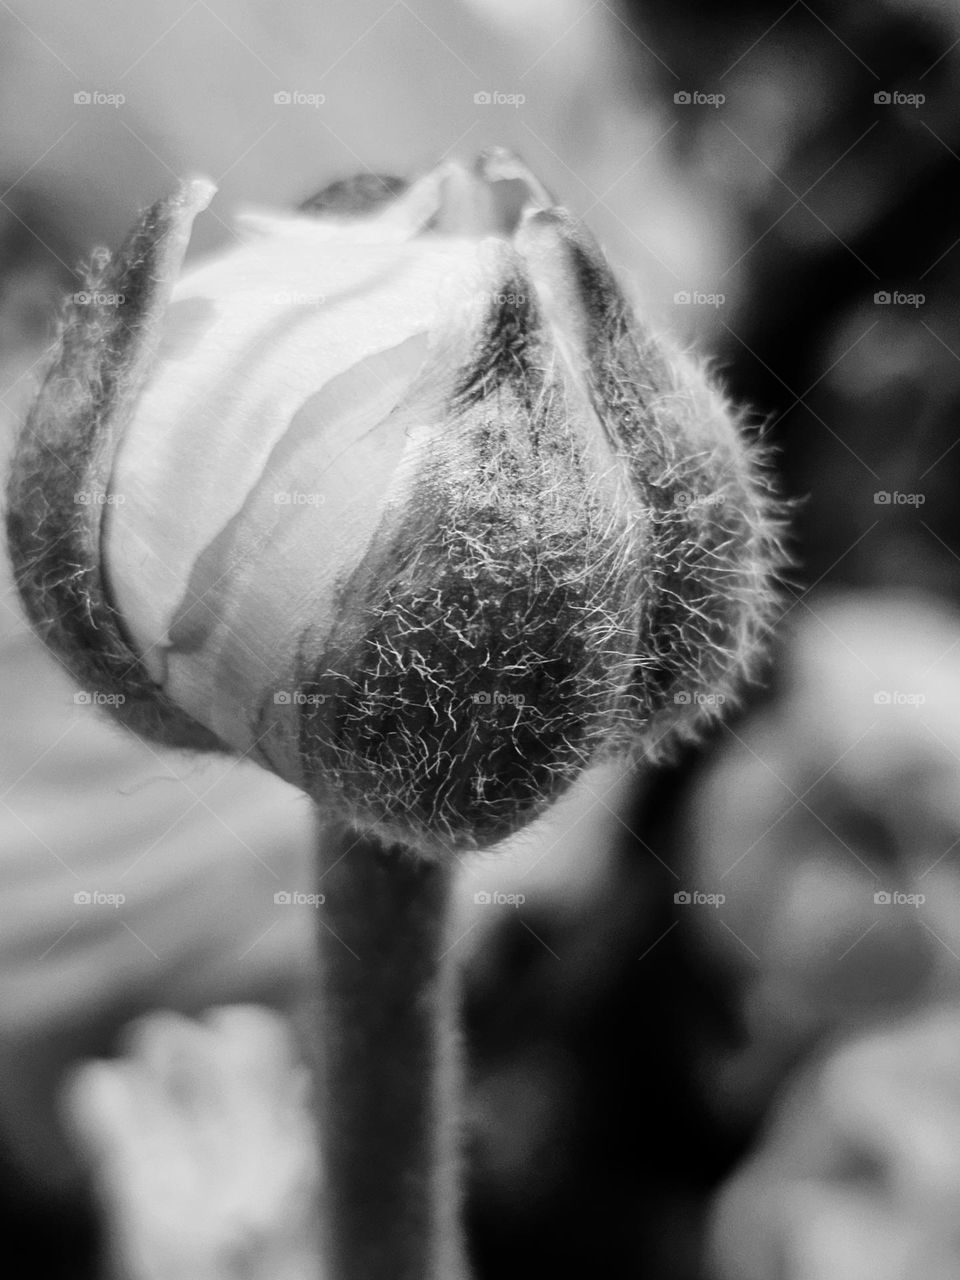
{"x": 58, "y": 491}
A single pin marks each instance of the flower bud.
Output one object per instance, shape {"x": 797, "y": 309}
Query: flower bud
{"x": 398, "y": 497}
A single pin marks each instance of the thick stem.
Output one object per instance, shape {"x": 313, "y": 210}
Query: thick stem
{"x": 387, "y": 1079}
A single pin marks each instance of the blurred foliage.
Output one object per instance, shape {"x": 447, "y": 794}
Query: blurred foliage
{"x": 825, "y": 198}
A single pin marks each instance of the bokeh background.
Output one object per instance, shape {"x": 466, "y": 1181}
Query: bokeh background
{"x": 720, "y": 1039}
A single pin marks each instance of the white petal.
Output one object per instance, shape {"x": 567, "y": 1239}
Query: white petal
{"x": 249, "y": 337}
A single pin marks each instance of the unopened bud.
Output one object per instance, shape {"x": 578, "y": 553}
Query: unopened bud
{"x": 415, "y": 511}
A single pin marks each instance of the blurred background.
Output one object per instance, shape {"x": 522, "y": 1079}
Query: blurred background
{"x": 720, "y": 1037}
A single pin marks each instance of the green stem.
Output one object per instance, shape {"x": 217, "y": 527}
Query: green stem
{"x": 387, "y": 1081}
